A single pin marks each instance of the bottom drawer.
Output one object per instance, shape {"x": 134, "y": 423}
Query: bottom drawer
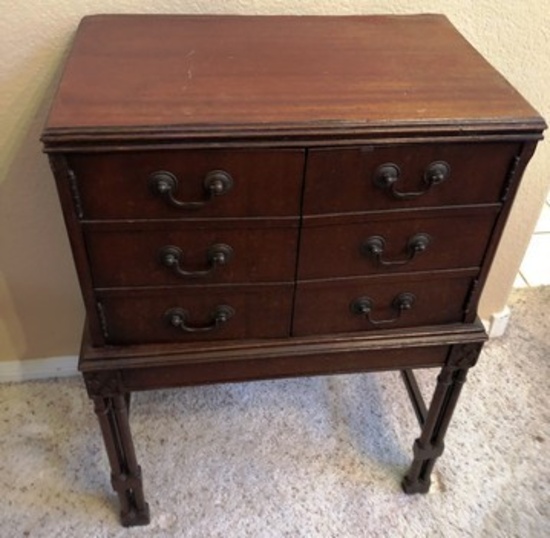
{"x": 198, "y": 313}
{"x": 363, "y": 304}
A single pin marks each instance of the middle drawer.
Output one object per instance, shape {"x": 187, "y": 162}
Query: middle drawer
{"x": 192, "y": 252}
{"x": 358, "y": 245}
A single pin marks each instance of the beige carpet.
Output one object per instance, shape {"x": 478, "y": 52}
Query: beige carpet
{"x": 317, "y": 457}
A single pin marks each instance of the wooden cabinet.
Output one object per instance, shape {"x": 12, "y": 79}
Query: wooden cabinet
{"x": 295, "y": 197}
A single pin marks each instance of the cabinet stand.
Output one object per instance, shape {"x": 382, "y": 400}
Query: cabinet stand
{"x": 110, "y": 390}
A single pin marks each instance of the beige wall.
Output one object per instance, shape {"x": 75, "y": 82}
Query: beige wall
{"x": 40, "y": 308}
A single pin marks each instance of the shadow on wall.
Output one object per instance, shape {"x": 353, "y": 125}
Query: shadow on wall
{"x": 40, "y": 305}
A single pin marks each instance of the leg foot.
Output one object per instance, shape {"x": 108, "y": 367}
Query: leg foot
{"x": 135, "y": 518}
{"x": 419, "y": 486}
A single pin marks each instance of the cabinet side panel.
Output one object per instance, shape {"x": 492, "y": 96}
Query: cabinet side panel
{"x": 70, "y": 204}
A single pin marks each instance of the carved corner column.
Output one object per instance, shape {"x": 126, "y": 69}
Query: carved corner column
{"x": 429, "y": 446}
{"x": 111, "y": 405}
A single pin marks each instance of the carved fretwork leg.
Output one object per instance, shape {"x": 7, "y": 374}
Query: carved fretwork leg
{"x": 429, "y": 446}
{"x": 111, "y": 408}
{"x": 125, "y": 472}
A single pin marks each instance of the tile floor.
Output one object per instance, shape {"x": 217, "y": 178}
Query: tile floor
{"x": 535, "y": 267}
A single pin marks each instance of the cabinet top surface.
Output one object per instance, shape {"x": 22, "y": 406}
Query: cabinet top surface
{"x": 224, "y": 73}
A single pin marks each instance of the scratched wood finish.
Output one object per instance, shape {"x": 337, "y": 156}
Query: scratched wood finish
{"x": 270, "y": 71}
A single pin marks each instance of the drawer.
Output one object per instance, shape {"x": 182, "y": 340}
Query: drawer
{"x": 197, "y": 313}
{"x": 189, "y": 183}
{"x": 408, "y": 241}
{"x": 356, "y": 305}
{"x": 393, "y": 177}
{"x": 190, "y": 253}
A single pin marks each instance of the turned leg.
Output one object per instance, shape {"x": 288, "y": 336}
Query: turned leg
{"x": 112, "y": 413}
{"x": 429, "y": 446}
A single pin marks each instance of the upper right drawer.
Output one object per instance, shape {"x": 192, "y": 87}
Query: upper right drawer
{"x": 402, "y": 176}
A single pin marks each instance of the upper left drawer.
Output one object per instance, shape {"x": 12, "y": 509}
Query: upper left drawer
{"x": 188, "y": 183}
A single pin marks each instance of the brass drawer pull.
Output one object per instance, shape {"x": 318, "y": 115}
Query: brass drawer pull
{"x": 374, "y": 246}
{"x": 165, "y": 184}
{"x": 363, "y": 306}
{"x": 216, "y": 256}
{"x": 178, "y": 318}
{"x": 387, "y": 175}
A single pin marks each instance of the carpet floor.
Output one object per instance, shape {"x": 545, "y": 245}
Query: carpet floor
{"x": 313, "y": 457}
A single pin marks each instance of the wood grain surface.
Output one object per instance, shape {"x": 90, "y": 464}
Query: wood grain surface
{"x": 134, "y": 71}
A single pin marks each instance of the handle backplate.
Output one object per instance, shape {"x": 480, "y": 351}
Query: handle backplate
{"x": 374, "y": 247}
{"x": 387, "y": 175}
{"x": 363, "y": 306}
{"x": 179, "y": 319}
{"x": 165, "y": 184}
{"x": 216, "y": 256}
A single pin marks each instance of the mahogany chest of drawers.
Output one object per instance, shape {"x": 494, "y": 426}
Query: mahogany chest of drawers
{"x": 260, "y": 197}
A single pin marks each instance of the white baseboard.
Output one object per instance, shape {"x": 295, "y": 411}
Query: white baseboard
{"x": 27, "y": 370}
{"x": 497, "y": 325}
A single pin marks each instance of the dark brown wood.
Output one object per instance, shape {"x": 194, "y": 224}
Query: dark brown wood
{"x": 265, "y": 197}
{"x": 104, "y": 361}
{"x": 322, "y": 363}
{"x": 457, "y": 238}
{"x": 265, "y": 183}
{"x": 139, "y": 316}
{"x": 324, "y": 307}
{"x": 318, "y": 136}
{"x": 112, "y": 413}
{"x": 142, "y": 367}
{"x": 429, "y": 446}
{"x": 273, "y": 71}
{"x": 131, "y": 256}
{"x": 70, "y": 205}
{"x": 478, "y": 172}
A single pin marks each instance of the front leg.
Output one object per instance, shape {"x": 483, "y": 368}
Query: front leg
{"x": 429, "y": 446}
{"x": 111, "y": 408}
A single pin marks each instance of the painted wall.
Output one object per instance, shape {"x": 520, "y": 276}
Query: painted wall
{"x": 40, "y": 308}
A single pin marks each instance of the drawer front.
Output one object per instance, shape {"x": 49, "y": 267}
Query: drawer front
{"x": 393, "y": 243}
{"x": 198, "y": 313}
{"x": 189, "y": 183}
{"x": 393, "y": 177}
{"x": 359, "y": 305}
{"x": 186, "y": 254}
